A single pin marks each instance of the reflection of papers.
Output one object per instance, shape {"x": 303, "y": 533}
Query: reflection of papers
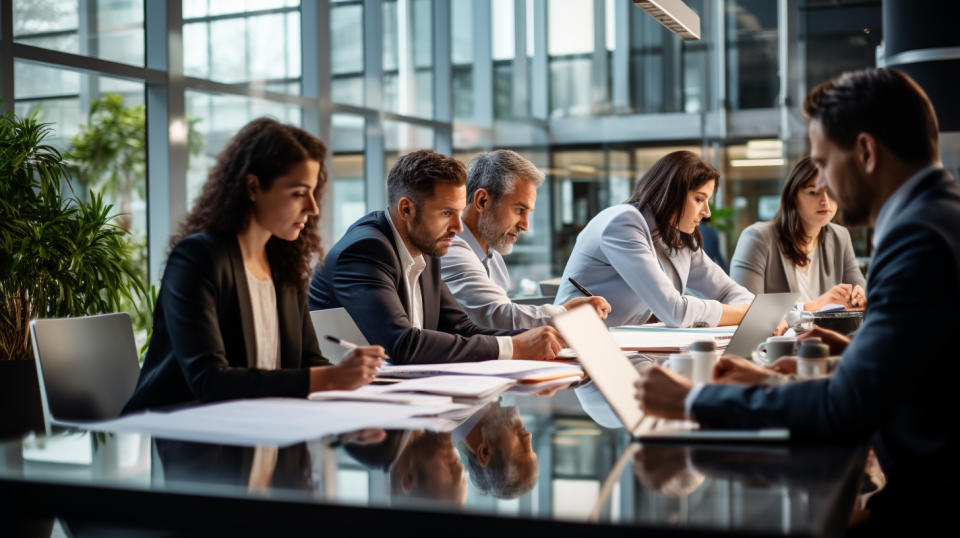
{"x": 276, "y": 421}
{"x": 661, "y": 339}
{"x": 523, "y": 371}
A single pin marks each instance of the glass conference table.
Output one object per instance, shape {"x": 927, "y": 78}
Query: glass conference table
{"x": 536, "y": 464}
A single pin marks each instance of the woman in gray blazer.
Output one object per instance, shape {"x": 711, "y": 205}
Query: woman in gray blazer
{"x": 800, "y": 250}
{"x": 643, "y": 255}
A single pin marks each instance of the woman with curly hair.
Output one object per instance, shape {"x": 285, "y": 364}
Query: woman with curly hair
{"x": 231, "y": 319}
{"x": 801, "y": 249}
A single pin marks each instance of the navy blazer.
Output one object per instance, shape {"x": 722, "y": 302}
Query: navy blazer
{"x": 897, "y": 378}
{"x": 204, "y": 346}
{"x": 363, "y": 274}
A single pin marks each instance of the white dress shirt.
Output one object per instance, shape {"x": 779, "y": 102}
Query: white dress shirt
{"x": 266, "y": 328}
{"x": 479, "y": 281}
{"x": 412, "y": 269}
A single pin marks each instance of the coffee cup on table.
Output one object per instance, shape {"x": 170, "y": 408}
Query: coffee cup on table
{"x": 704, "y": 354}
{"x": 775, "y": 347}
{"x": 812, "y": 360}
{"x": 682, "y": 363}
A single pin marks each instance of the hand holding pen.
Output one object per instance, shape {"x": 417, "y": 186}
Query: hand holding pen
{"x": 599, "y": 304}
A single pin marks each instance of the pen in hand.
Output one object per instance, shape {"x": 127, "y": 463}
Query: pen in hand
{"x": 580, "y": 287}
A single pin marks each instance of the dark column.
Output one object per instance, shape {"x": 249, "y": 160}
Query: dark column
{"x": 921, "y": 39}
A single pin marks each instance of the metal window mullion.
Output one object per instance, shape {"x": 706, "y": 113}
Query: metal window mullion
{"x": 482, "y": 64}
{"x": 6, "y": 56}
{"x": 166, "y": 129}
{"x": 539, "y": 80}
{"x": 315, "y": 85}
{"x": 442, "y": 77}
{"x": 521, "y": 64}
{"x": 373, "y": 162}
{"x": 87, "y": 38}
{"x": 599, "y": 64}
{"x": 621, "y": 57}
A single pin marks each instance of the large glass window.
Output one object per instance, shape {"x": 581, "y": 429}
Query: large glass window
{"x": 346, "y": 52}
{"x": 461, "y": 56}
{"x": 105, "y": 29}
{"x": 254, "y": 42}
{"x": 408, "y": 57}
{"x": 569, "y": 46}
{"x": 752, "y": 53}
{"x": 837, "y": 37}
{"x": 348, "y": 186}
{"x": 217, "y": 118}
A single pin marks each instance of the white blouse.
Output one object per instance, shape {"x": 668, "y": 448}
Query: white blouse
{"x": 808, "y": 278}
{"x": 266, "y": 326}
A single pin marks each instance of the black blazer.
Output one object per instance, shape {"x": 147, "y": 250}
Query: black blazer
{"x": 203, "y": 345}
{"x": 363, "y": 274}
{"x": 897, "y": 378}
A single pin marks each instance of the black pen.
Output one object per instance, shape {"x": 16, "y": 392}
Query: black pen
{"x": 340, "y": 342}
{"x": 580, "y": 287}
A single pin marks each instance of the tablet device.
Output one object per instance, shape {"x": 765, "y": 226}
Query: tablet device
{"x": 335, "y": 322}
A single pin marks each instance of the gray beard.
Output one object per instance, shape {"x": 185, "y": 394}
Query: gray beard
{"x": 495, "y": 238}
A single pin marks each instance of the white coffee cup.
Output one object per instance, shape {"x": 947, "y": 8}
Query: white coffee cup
{"x": 812, "y": 360}
{"x": 705, "y": 355}
{"x": 775, "y": 347}
{"x": 682, "y": 363}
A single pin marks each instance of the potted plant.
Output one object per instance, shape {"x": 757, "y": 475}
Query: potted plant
{"x": 60, "y": 256}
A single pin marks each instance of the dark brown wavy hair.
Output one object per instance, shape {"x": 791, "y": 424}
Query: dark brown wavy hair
{"x": 266, "y": 149}
{"x": 663, "y": 190}
{"x": 790, "y": 233}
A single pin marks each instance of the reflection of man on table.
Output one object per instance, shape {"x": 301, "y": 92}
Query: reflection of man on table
{"x": 499, "y": 452}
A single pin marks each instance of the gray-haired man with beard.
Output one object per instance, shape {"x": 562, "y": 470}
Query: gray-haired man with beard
{"x": 501, "y": 194}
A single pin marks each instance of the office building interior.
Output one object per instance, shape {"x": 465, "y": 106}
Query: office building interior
{"x": 593, "y": 92}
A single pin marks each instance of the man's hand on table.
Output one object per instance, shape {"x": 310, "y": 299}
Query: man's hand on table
{"x": 734, "y": 370}
{"x": 539, "y": 344}
{"x": 661, "y": 393}
{"x": 835, "y": 341}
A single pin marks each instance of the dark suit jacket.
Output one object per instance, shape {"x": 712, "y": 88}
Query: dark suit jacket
{"x": 898, "y": 376}
{"x": 363, "y": 274}
{"x": 203, "y": 345}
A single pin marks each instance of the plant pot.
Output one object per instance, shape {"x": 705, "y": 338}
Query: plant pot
{"x": 20, "y": 407}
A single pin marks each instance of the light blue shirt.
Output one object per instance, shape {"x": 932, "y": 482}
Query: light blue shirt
{"x": 479, "y": 280}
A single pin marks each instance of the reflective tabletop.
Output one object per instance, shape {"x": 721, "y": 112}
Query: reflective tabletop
{"x": 551, "y": 463}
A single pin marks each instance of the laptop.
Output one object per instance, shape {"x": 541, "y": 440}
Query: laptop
{"x": 763, "y": 316}
{"x": 335, "y": 322}
{"x": 615, "y": 376}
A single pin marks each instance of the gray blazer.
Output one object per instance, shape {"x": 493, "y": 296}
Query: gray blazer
{"x": 759, "y": 265}
{"x": 617, "y": 257}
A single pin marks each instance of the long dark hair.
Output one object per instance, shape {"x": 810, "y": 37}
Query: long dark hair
{"x": 266, "y": 149}
{"x": 790, "y": 233}
{"x": 663, "y": 190}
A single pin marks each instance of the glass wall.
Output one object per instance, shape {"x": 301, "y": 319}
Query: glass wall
{"x": 592, "y": 91}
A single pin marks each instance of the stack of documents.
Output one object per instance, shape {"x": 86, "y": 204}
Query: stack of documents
{"x": 655, "y": 338}
{"x": 524, "y": 372}
{"x": 441, "y": 389}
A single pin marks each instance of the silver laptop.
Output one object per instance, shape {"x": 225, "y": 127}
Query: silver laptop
{"x": 335, "y": 322}
{"x": 615, "y": 376}
{"x": 763, "y": 316}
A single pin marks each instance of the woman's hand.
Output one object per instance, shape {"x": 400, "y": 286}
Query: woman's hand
{"x": 858, "y": 298}
{"x": 358, "y": 367}
{"x": 841, "y": 294}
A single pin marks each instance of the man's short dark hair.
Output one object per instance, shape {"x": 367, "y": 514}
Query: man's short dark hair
{"x": 416, "y": 173}
{"x": 885, "y": 103}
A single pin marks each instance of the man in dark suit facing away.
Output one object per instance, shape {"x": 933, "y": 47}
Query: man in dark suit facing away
{"x": 386, "y": 272}
{"x": 873, "y": 136}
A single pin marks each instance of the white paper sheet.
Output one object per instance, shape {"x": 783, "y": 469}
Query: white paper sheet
{"x": 668, "y": 339}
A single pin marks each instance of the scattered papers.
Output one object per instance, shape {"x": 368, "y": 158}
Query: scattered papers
{"x": 660, "y": 339}
{"x": 369, "y": 393}
{"x": 535, "y": 388}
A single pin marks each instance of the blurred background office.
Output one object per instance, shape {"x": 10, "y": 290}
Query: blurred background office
{"x": 592, "y": 91}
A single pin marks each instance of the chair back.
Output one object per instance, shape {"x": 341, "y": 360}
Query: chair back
{"x": 87, "y": 367}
